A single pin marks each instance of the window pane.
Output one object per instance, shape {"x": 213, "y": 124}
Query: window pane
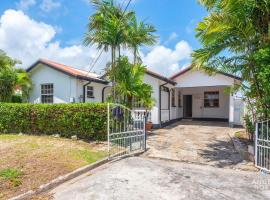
{"x": 47, "y": 93}
{"x": 211, "y": 99}
{"x": 90, "y": 91}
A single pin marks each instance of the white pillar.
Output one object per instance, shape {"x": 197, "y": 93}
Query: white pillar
{"x": 231, "y": 111}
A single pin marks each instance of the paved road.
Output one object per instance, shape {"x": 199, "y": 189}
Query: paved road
{"x": 144, "y": 178}
{"x": 197, "y": 142}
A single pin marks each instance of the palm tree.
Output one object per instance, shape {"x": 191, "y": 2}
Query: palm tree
{"x": 139, "y": 34}
{"x": 130, "y": 83}
{"x": 230, "y": 36}
{"x": 107, "y": 26}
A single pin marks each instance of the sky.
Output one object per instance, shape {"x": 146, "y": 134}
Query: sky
{"x": 54, "y": 29}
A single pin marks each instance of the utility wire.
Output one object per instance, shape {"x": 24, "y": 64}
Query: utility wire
{"x": 92, "y": 65}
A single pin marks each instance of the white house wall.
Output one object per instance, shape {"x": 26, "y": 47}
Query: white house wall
{"x": 200, "y": 79}
{"x": 64, "y": 85}
{"x": 198, "y": 109}
{"x": 155, "y": 83}
{"x": 97, "y": 87}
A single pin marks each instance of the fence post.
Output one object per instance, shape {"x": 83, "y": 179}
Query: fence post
{"x": 145, "y": 133}
{"x": 256, "y": 142}
{"x": 108, "y": 129}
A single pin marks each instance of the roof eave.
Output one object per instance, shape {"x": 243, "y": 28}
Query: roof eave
{"x": 67, "y": 73}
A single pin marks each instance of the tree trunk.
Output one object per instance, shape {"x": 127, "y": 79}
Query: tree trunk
{"x": 135, "y": 55}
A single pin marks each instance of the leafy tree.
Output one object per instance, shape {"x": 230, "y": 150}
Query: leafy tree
{"x": 235, "y": 37}
{"x": 130, "y": 83}
{"x": 12, "y": 78}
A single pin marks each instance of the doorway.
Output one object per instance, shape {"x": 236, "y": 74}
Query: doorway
{"x": 187, "y": 112}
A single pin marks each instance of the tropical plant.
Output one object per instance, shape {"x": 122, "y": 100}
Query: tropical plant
{"x": 12, "y": 79}
{"x": 111, "y": 28}
{"x": 130, "y": 83}
{"x": 235, "y": 38}
{"x": 140, "y": 33}
{"x": 107, "y": 27}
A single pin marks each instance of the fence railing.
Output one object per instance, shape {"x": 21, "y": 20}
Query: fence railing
{"x": 262, "y": 145}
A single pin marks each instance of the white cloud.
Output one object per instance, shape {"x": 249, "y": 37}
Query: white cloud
{"x": 36, "y": 41}
{"x": 48, "y": 5}
{"x": 166, "y": 60}
{"x": 173, "y": 36}
{"x": 25, "y": 4}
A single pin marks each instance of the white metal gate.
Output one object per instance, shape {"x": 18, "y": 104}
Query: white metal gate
{"x": 262, "y": 145}
{"x": 126, "y": 131}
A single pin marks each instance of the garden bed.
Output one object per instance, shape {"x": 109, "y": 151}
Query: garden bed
{"x": 27, "y": 162}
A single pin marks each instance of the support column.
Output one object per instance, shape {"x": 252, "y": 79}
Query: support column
{"x": 231, "y": 111}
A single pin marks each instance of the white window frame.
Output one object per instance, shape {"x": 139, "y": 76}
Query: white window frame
{"x": 47, "y": 92}
{"x": 213, "y": 98}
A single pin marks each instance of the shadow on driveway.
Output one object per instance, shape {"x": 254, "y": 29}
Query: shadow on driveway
{"x": 200, "y": 142}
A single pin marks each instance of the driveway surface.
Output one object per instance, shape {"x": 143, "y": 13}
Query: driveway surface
{"x": 144, "y": 178}
{"x": 205, "y": 166}
{"x": 197, "y": 142}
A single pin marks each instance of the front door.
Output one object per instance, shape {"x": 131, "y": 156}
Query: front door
{"x": 187, "y": 106}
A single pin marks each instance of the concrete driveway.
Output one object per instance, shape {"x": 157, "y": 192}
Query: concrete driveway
{"x": 144, "y": 178}
{"x": 205, "y": 167}
{"x": 206, "y": 143}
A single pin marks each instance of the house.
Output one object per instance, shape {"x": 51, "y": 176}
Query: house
{"x": 187, "y": 94}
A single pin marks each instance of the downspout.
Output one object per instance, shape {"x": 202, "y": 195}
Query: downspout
{"x": 103, "y": 90}
{"x": 84, "y": 86}
{"x": 160, "y": 101}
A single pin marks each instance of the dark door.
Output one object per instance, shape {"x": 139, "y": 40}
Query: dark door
{"x": 187, "y": 106}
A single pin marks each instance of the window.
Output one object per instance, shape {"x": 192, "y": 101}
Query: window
{"x": 211, "y": 99}
{"x": 173, "y": 97}
{"x": 90, "y": 92}
{"x": 179, "y": 99}
{"x": 47, "y": 93}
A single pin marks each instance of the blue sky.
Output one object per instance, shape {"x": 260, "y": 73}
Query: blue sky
{"x": 54, "y": 29}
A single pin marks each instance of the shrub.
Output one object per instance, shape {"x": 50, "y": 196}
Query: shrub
{"x": 87, "y": 121}
{"x": 250, "y": 128}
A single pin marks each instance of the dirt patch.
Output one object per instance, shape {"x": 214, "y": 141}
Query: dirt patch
{"x": 40, "y": 159}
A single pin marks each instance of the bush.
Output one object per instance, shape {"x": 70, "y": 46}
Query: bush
{"x": 87, "y": 121}
{"x": 250, "y": 128}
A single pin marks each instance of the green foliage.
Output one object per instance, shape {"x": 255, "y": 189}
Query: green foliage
{"x": 12, "y": 175}
{"x": 16, "y": 99}
{"x": 129, "y": 79}
{"x": 12, "y": 78}
{"x": 87, "y": 121}
{"x": 250, "y": 128}
{"x": 235, "y": 39}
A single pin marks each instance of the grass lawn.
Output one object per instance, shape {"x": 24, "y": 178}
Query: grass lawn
{"x": 26, "y": 162}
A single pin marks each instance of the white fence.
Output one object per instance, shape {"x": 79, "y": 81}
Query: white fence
{"x": 126, "y": 131}
{"x": 262, "y": 145}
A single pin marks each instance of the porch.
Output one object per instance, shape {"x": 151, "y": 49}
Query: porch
{"x": 208, "y": 103}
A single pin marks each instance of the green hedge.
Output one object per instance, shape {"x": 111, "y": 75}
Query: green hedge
{"x": 87, "y": 121}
